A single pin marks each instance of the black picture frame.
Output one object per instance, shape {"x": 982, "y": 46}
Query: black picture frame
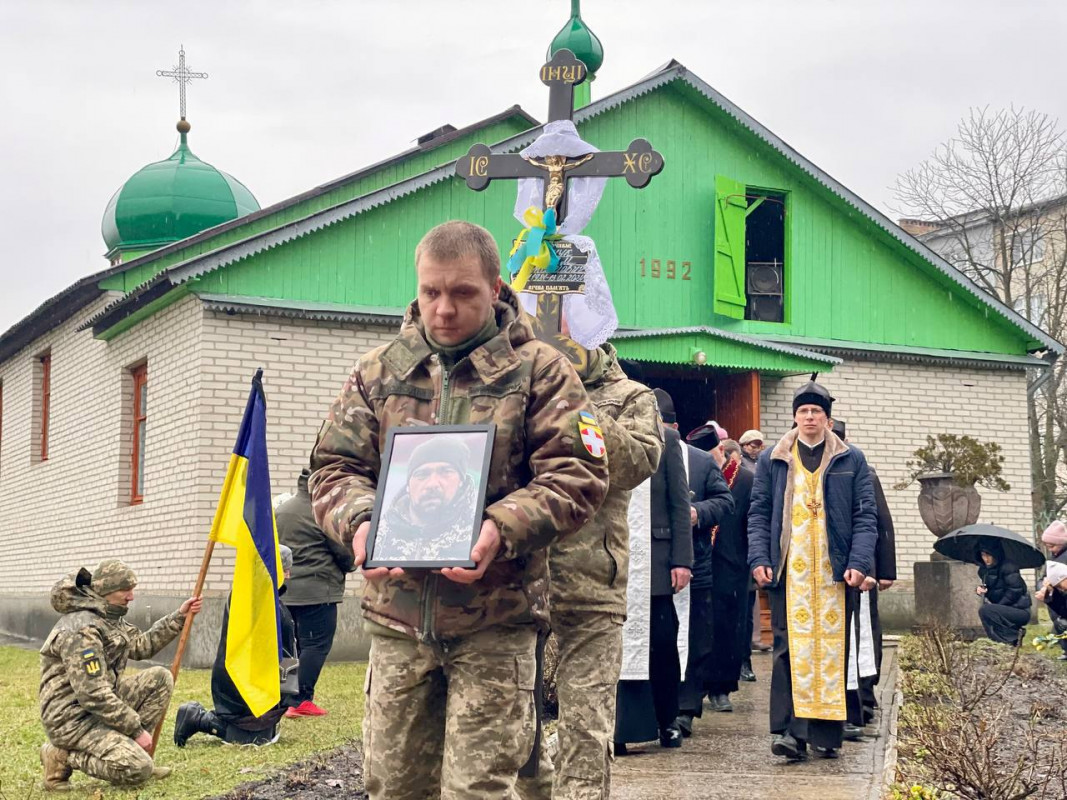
{"x": 395, "y": 539}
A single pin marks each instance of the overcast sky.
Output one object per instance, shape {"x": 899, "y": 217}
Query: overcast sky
{"x": 303, "y": 91}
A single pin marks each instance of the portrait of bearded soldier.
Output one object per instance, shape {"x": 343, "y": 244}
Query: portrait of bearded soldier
{"x": 433, "y": 517}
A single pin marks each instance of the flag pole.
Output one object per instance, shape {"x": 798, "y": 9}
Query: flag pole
{"x": 187, "y": 627}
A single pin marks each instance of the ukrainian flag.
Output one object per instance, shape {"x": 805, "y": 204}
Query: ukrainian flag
{"x": 244, "y": 520}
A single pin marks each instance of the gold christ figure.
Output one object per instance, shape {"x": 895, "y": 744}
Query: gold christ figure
{"x": 556, "y": 166}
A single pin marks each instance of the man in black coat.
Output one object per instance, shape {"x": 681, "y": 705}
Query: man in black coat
{"x": 812, "y": 534}
{"x": 711, "y": 503}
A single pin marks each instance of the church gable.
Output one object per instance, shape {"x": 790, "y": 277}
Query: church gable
{"x": 738, "y": 232}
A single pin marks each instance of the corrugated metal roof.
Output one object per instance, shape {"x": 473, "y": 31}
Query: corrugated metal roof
{"x": 927, "y": 355}
{"x": 762, "y": 344}
{"x": 329, "y": 312}
{"x": 226, "y": 255}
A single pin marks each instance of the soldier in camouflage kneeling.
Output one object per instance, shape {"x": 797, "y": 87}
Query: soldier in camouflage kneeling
{"x": 97, "y": 719}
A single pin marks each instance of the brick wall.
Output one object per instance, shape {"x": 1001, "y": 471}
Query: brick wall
{"x": 74, "y": 508}
{"x": 891, "y": 407}
{"x": 304, "y": 363}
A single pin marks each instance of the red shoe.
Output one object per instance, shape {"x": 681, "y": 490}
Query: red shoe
{"x": 306, "y": 709}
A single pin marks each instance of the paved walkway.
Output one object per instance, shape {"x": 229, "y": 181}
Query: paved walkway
{"x": 729, "y": 756}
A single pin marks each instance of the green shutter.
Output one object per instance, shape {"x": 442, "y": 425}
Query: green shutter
{"x": 730, "y": 210}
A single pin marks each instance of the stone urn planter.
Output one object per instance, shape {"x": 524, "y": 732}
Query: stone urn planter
{"x": 944, "y": 505}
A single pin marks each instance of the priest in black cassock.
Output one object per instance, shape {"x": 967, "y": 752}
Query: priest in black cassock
{"x": 812, "y": 531}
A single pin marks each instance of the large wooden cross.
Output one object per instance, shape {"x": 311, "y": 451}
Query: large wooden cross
{"x": 638, "y": 164}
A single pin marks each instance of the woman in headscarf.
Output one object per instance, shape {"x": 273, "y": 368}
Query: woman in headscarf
{"x": 1006, "y": 609}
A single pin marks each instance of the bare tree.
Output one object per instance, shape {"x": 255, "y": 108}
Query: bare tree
{"x": 994, "y": 198}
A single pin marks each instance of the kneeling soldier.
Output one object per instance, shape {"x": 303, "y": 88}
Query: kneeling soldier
{"x": 98, "y": 720}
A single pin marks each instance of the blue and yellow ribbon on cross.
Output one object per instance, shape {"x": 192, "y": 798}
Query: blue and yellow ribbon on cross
{"x": 533, "y": 247}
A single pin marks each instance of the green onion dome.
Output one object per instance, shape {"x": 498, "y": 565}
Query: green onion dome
{"x": 173, "y": 199}
{"x": 580, "y": 40}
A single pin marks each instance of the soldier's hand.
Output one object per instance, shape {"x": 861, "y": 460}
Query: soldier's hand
{"x": 763, "y": 576}
{"x": 692, "y": 516}
{"x": 144, "y": 739}
{"x": 192, "y": 605}
{"x": 884, "y": 584}
{"x": 868, "y": 584}
{"x": 482, "y": 554}
{"x": 680, "y": 577}
{"x": 359, "y": 550}
{"x": 854, "y": 578}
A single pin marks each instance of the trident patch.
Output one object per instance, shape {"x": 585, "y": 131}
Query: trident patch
{"x": 90, "y": 662}
{"x": 592, "y": 437}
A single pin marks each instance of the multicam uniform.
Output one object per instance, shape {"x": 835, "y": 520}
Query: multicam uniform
{"x": 588, "y": 592}
{"x": 451, "y": 675}
{"x": 88, "y": 707}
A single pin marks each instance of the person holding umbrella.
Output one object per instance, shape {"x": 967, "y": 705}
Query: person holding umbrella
{"x": 1000, "y": 554}
{"x": 1006, "y": 607}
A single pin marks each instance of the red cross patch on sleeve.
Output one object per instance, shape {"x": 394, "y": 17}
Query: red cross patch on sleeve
{"x": 592, "y": 437}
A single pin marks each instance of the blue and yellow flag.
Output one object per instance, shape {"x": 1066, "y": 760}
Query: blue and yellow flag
{"x": 245, "y": 520}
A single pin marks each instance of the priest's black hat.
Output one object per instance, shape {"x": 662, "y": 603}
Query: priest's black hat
{"x": 666, "y": 406}
{"x": 812, "y": 393}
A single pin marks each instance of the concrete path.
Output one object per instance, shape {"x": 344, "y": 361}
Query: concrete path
{"x": 729, "y": 756}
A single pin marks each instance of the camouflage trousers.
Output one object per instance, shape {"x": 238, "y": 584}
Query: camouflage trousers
{"x": 590, "y": 656}
{"x": 109, "y": 755}
{"x": 451, "y": 719}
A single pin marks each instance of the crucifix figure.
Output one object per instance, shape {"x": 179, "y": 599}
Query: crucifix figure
{"x": 813, "y": 506}
{"x": 638, "y": 164}
{"x": 182, "y": 76}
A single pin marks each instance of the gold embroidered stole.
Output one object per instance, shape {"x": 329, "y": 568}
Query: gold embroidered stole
{"x": 815, "y": 605}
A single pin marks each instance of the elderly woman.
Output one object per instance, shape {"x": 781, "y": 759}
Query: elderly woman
{"x": 1006, "y": 609}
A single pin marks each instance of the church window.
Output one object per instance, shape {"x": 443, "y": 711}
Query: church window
{"x": 139, "y": 418}
{"x": 749, "y": 252}
{"x": 42, "y": 403}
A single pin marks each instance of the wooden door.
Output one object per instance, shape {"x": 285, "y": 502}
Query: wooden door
{"x": 737, "y": 399}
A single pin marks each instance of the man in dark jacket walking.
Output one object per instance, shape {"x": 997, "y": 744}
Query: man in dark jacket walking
{"x": 316, "y": 588}
{"x": 812, "y": 530}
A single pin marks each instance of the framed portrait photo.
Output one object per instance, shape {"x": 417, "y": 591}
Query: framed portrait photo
{"x": 431, "y": 496}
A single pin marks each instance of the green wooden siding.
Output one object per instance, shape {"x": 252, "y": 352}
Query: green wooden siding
{"x": 847, "y": 279}
{"x": 721, "y": 353}
{"x": 415, "y": 164}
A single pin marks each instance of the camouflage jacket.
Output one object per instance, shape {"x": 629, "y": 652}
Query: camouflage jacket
{"x": 543, "y": 482}
{"x": 83, "y": 658}
{"x": 589, "y": 570}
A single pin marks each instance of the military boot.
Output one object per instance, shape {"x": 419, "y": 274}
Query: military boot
{"x": 57, "y": 771}
{"x": 159, "y": 773}
{"x": 194, "y": 718}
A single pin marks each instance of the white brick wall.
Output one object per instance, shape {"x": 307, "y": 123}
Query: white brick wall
{"x": 304, "y": 363}
{"x": 891, "y": 407}
{"x": 74, "y": 508}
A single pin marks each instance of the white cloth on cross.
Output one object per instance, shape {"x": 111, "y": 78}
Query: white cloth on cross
{"x": 591, "y": 315}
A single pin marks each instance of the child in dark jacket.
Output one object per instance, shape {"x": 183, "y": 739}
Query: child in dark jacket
{"x": 1006, "y": 609}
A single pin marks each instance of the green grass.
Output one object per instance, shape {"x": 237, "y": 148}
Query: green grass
{"x": 204, "y": 767}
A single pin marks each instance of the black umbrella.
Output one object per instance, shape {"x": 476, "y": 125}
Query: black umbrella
{"x": 962, "y": 544}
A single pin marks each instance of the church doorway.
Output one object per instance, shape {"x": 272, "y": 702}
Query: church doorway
{"x": 701, "y": 393}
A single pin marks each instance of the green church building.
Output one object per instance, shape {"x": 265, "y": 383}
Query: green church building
{"x": 742, "y": 268}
